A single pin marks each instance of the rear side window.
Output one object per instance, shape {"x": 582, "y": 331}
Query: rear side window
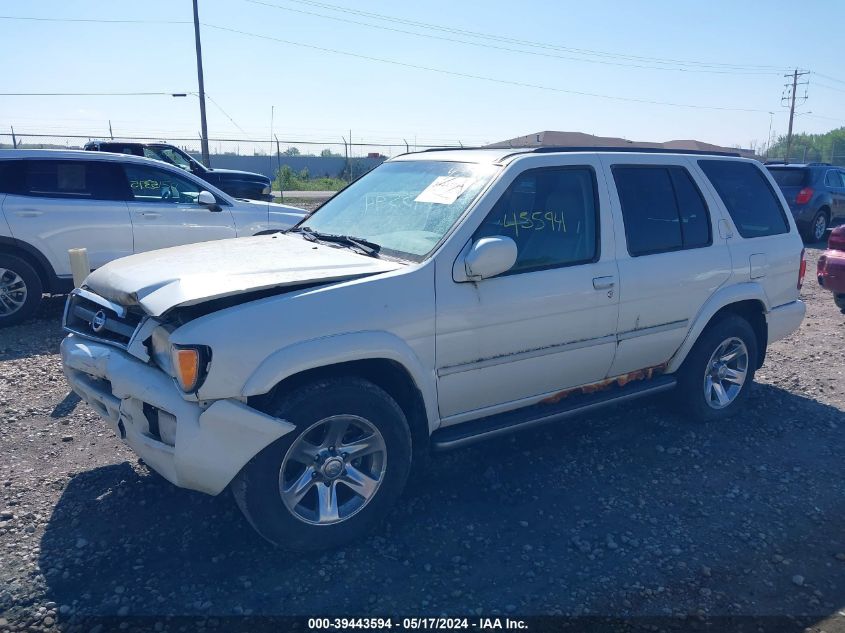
{"x": 833, "y": 179}
{"x": 753, "y": 205}
{"x": 8, "y": 181}
{"x": 790, "y": 177}
{"x": 662, "y": 209}
{"x": 94, "y": 180}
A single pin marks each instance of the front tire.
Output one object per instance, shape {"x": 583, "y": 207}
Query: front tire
{"x": 20, "y": 290}
{"x": 713, "y": 382}
{"x": 336, "y": 475}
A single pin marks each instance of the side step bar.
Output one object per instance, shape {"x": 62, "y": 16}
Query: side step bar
{"x": 537, "y": 414}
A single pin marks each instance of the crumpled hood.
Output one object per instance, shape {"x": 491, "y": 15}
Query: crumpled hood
{"x": 184, "y": 275}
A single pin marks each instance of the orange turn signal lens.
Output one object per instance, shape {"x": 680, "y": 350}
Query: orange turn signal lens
{"x": 186, "y": 366}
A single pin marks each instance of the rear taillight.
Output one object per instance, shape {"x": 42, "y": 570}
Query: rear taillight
{"x": 804, "y": 195}
{"x": 836, "y": 242}
{"x": 802, "y": 270}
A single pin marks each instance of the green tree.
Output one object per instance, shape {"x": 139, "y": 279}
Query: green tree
{"x": 826, "y": 148}
{"x": 291, "y": 151}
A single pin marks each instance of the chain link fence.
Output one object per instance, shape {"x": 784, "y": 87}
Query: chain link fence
{"x": 286, "y": 161}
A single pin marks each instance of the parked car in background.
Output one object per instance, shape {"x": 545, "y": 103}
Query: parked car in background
{"x": 831, "y": 267}
{"x": 815, "y": 193}
{"x": 112, "y": 205}
{"x": 443, "y": 298}
{"x": 238, "y": 184}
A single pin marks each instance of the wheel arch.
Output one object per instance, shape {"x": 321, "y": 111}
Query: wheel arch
{"x": 747, "y": 300}
{"x": 380, "y": 357}
{"x": 385, "y": 373}
{"x": 33, "y": 257}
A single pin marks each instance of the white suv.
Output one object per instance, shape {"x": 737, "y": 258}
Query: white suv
{"x": 111, "y": 204}
{"x": 443, "y": 298}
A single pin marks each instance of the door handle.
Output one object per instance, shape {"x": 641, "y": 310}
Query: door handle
{"x": 150, "y": 214}
{"x": 603, "y": 283}
{"x": 28, "y": 213}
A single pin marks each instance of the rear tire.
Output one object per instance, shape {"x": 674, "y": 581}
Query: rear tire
{"x": 714, "y": 379}
{"x": 320, "y": 486}
{"x": 839, "y": 300}
{"x": 815, "y": 232}
{"x": 20, "y": 290}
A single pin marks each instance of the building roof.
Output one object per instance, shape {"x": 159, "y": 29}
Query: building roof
{"x": 580, "y": 139}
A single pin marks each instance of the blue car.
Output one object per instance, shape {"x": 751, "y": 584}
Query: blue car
{"x": 815, "y": 193}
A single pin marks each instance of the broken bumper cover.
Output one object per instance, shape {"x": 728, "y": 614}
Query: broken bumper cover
{"x": 210, "y": 445}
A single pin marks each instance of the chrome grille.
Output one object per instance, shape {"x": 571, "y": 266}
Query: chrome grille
{"x": 94, "y": 317}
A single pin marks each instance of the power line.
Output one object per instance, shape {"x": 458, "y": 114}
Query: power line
{"x": 92, "y": 94}
{"x": 463, "y": 75}
{"x": 516, "y": 50}
{"x": 828, "y": 77}
{"x": 219, "y": 107}
{"x": 91, "y": 20}
{"x": 826, "y": 87}
{"x": 530, "y": 43}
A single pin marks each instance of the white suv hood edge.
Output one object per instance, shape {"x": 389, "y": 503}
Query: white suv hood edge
{"x": 158, "y": 281}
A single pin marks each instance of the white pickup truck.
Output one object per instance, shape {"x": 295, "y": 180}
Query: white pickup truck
{"x": 444, "y": 298}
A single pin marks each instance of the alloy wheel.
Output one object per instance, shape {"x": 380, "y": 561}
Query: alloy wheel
{"x": 333, "y": 469}
{"x": 819, "y": 227}
{"x": 12, "y": 292}
{"x": 726, "y": 373}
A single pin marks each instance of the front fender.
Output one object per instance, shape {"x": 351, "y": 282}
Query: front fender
{"x": 721, "y": 298}
{"x": 342, "y": 348}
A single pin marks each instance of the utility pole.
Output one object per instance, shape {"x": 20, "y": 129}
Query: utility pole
{"x": 790, "y": 96}
{"x": 111, "y": 134}
{"x": 14, "y": 138}
{"x": 206, "y": 159}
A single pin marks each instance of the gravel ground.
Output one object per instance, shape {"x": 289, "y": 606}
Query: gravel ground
{"x": 635, "y": 512}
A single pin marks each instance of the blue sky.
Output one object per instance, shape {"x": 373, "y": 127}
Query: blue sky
{"x": 317, "y": 94}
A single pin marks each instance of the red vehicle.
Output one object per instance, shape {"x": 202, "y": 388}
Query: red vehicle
{"x": 831, "y": 268}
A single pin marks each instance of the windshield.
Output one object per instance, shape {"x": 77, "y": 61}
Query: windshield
{"x": 168, "y": 155}
{"x": 404, "y": 207}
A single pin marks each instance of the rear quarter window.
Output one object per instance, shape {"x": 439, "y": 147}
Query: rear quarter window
{"x": 746, "y": 193}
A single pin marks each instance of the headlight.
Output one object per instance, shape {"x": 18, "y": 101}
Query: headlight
{"x": 266, "y": 189}
{"x": 190, "y": 365}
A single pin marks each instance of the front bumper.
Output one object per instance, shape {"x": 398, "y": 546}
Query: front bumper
{"x": 211, "y": 442}
{"x": 785, "y": 319}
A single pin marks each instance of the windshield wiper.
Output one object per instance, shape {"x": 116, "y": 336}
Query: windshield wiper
{"x": 365, "y": 246}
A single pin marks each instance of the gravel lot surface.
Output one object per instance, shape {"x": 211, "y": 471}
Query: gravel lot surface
{"x": 632, "y": 512}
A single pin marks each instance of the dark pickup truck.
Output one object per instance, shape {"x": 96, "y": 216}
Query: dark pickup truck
{"x": 238, "y": 184}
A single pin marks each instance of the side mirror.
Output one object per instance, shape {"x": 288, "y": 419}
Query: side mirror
{"x": 207, "y": 199}
{"x": 490, "y": 256}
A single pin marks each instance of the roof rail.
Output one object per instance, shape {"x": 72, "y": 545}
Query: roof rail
{"x": 776, "y": 162}
{"x": 547, "y": 149}
{"x": 633, "y": 150}
{"x": 820, "y": 164}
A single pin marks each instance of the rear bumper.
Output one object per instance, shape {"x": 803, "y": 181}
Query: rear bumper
{"x": 203, "y": 446}
{"x": 785, "y": 319}
{"x": 831, "y": 271}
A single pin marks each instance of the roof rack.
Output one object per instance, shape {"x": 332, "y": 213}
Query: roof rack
{"x": 547, "y": 149}
{"x": 633, "y": 150}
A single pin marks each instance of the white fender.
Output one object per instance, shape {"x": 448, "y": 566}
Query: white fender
{"x": 722, "y": 297}
{"x": 341, "y": 348}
